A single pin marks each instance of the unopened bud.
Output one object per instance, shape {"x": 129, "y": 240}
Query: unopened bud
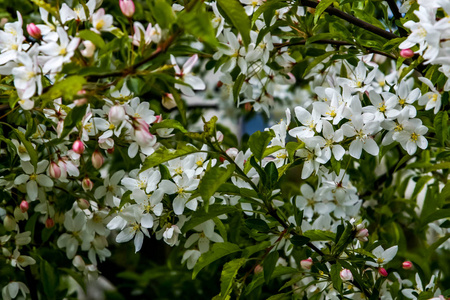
{"x": 362, "y": 235}
{"x": 97, "y": 159}
{"x": 159, "y": 119}
{"x": 116, "y": 115}
{"x": 306, "y": 263}
{"x": 407, "y": 265}
{"x": 110, "y": 150}
{"x": 89, "y": 49}
{"x": 406, "y": 53}
{"x": 87, "y": 184}
{"x": 127, "y": 7}
{"x": 49, "y": 223}
{"x": 168, "y": 101}
{"x": 382, "y": 272}
{"x": 83, "y": 203}
{"x": 219, "y": 84}
{"x": 34, "y": 31}
{"x": 258, "y": 269}
{"x": 24, "y": 206}
{"x": 9, "y": 223}
{"x": 222, "y": 159}
{"x": 232, "y": 152}
{"x": 78, "y": 147}
{"x": 54, "y": 170}
{"x": 81, "y": 101}
{"x": 346, "y": 275}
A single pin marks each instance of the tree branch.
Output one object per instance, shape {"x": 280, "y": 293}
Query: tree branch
{"x": 353, "y": 20}
{"x": 397, "y": 15}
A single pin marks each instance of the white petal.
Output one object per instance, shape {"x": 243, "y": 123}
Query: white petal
{"x": 138, "y": 241}
{"x": 125, "y": 235}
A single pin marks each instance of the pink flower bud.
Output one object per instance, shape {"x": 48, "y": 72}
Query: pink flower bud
{"x": 49, "y": 223}
{"x": 232, "y": 152}
{"x": 159, "y": 118}
{"x": 116, "y": 115}
{"x": 83, "y": 203}
{"x": 406, "y": 53}
{"x": 168, "y": 101}
{"x": 346, "y": 275}
{"x": 9, "y": 223}
{"x": 258, "y": 269}
{"x": 306, "y": 263}
{"x": 143, "y": 137}
{"x": 382, "y": 272}
{"x": 78, "y": 147}
{"x": 87, "y": 184}
{"x": 34, "y": 31}
{"x": 97, "y": 159}
{"x": 110, "y": 150}
{"x": 127, "y": 7}
{"x": 24, "y": 206}
{"x": 362, "y": 235}
{"x": 407, "y": 265}
{"x": 81, "y": 101}
{"x": 54, "y": 170}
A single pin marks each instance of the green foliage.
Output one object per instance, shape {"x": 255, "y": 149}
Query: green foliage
{"x": 217, "y": 251}
{"x": 235, "y": 13}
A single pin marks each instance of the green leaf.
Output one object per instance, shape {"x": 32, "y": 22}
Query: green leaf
{"x": 335, "y": 276}
{"x": 67, "y": 88}
{"x": 258, "y": 143}
{"x": 441, "y": 126}
{"x": 197, "y": 21}
{"x": 298, "y": 215}
{"x": 259, "y": 279}
{"x": 437, "y": 215}
{"x": 229, "y": 272}
{"x": 299, "y": 240}
{"x": 346, "y": 238}
{"x": 317, "y": 61}
{"x": 271, "y": 174}
{"x": 89, "y": 35}
{"x": 200, "y": 216}
{"x": 323, "y": 5}
{"x": 249, "y": 251}
{"x": 217, "y": 251}
{"x": 162, "y": 12}
{"x": 420, "y": 185}
{"x": 237, "y": 87}
{"x": 258, "y": 224}
{"x": 49, "y": 279}
{"x": 268, "y": 6}
{"x": 73, "y": 117}
{"x": 271, "y": 150}
{"x": 168, "y": 123}
{"x": 234, "y": 11}
{"x": 163, "y": 154}
{"x": 269, "y": 264}
{"x": 319, "y": 235}
{"x": 212, "y": 180}
{"x": 364, "y": 252}
{"x": 31, "y": 151}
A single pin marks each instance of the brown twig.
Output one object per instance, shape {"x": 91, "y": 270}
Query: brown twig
{"x": 397, "y": 15}
{"x": 353, "y": 20}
